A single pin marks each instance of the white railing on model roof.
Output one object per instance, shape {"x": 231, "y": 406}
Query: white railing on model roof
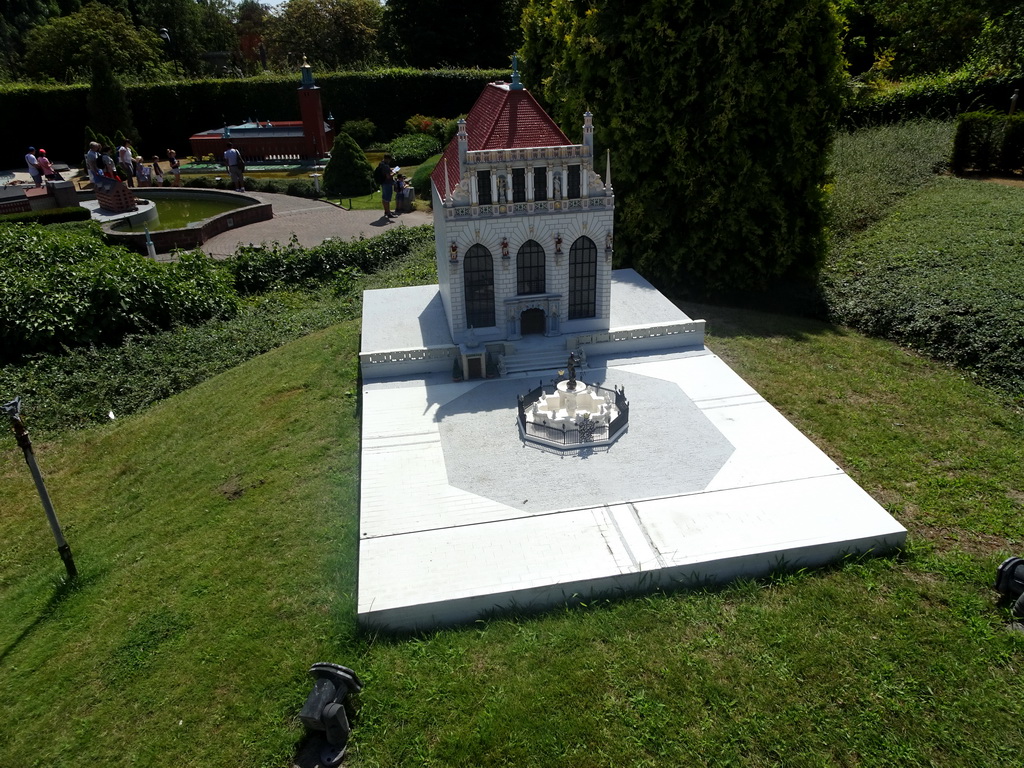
{"x": 566, "y": 152}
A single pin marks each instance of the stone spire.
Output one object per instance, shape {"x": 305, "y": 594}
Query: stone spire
{"x": 588, "y": 131}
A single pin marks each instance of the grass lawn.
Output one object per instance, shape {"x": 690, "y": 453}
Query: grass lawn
{"x": 216, "y": 538}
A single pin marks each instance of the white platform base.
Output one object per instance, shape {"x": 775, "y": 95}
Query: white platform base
{"x": 734, "y": 491}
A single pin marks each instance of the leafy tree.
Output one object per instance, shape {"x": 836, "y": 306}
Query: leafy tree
{"x": 194, "y": 26}
{"x": 17, "y": 17}
{"x": 719, "y": 117}
{"x": 337, "y": 34}
{"x": 347, "y": 172}
{"x": 999, "y": 49}
{"x": 64, "y": 48}
{"x": 252, "y": 26}
{"x": 918, "y": 36}
{"x": 431, "y": 33}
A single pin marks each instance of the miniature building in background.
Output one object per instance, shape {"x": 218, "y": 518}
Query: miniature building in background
{"x": 523, "y": 224}
{"x": 306, "y": 139}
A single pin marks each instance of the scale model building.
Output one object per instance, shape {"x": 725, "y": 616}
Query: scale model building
{"x": 490, "y": 480}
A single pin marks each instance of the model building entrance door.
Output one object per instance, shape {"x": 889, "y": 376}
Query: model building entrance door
{"x": 531, "y": 321}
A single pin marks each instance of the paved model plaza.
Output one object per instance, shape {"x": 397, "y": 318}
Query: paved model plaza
{"x": 461, "y": 518}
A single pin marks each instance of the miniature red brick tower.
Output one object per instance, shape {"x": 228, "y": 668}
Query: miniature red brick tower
{"x": 312, "y": 111}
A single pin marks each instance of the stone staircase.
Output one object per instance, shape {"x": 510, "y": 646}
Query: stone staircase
{"x": 546, "y": 360}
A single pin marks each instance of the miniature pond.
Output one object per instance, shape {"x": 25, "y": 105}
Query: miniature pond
{"x": 177, "y": 213}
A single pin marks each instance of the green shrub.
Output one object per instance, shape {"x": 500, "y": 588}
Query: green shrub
{"x": 438, "y": 127}
{"x": 348, "y": 173}
{"x": 421, "y": 179}
{"x": 414, "y": 148}
{"x": 272, "y": 186}
{"x": 302, "y": 188}
{"x": 941, "y": 97}
{"x": 48, "y": 216}
{"x": 68, "y": 288}
{"x": 361, "y": 131}
{"x": 258, "y": 268}
{"x": 988, "y": 141}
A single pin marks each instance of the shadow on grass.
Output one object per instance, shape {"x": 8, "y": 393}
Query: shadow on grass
{"x": 733, "y": 322}
{"x": 62, "y": 591}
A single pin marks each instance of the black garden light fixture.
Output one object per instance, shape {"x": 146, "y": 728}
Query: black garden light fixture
{"x": 164, "y": 35}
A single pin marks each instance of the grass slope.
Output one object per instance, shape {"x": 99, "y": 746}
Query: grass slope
{"x": 215, "y": 560}
{"x": 216, "y": 534}
{"x": 944, "y": 273}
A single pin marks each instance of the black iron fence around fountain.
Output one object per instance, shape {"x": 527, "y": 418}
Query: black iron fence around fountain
{"x": 586, "y": 430}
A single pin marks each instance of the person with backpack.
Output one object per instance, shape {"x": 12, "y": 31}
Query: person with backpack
{"x": 382, "y": 175}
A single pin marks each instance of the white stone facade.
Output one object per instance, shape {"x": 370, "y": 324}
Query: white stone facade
{"x": 576, "y": 205}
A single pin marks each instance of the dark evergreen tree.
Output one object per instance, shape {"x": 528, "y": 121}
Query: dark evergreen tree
{"x": 109, "y": 111}
{"x": 348, "y": 173}
{"x": 719, "y": 118}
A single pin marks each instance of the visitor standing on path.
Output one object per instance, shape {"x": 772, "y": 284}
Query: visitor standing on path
{"x": 46, "y": 167}
{"x": 236, "y": 166}
{"x": 175, "y": 164}
{"x": 158, "y": 172}
{"x": 141, "y": 172}
{"x": 92, "y": 161}
{"x": 33, "y": 167}
{"x": 382, "y": 175}
{"x": 126, "y": 162}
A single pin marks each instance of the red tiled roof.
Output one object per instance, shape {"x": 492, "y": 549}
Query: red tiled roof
{"x": 500, "y": 119}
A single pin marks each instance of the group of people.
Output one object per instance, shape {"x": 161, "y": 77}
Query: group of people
{"x": 129, "y": 167}
{"x": 393, "y": 185}
{"x": 40, "y": 167}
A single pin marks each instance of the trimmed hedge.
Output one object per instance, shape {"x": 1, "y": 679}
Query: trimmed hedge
{"x": 941, "y": 97}
{"x": 421, "y": 179}
{"x": 988, "y": 141}
{"x": 48, "y": 216}
{"x": 167, "y": 114}
{"x": 414, "y": 148}
{"x": 257, "y": 268}
{"x": 293, "y": 187}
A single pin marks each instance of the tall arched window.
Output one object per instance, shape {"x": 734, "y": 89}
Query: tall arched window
{"x": 478, "y": 279}
{"x": 530, "y": 268}
{"x": 582, "y": 278}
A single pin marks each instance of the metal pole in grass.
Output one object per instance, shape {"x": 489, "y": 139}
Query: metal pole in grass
{"x": 13, "y": 411}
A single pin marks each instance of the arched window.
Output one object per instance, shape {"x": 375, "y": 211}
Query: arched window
{"x": 530, "y": 268}
{"x": 478, "y": 279}
{"x": 582, "y": 278}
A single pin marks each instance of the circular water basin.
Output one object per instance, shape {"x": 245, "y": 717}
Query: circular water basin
{"x": 174, "y": 217}
{"x": 176, "y": 213}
